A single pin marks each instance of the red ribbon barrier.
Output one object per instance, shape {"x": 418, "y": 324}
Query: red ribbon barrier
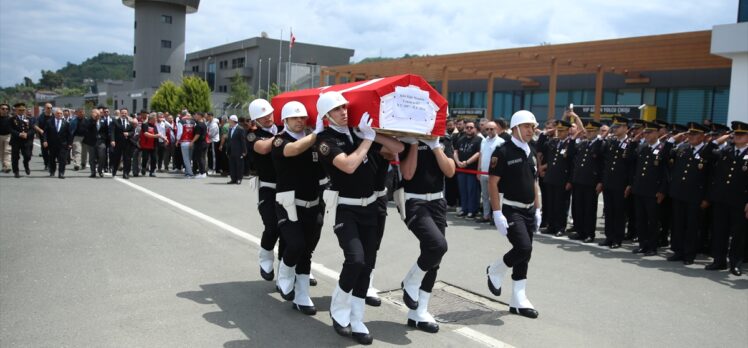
{"x": 459, "y": 170}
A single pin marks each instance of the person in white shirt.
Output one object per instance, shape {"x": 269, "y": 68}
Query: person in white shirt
{"x": 487, "y": 145}
{"x": 214, "y": 138}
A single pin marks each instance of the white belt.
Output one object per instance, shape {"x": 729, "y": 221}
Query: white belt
{"x": 323, "y": 181}
{"x": 381, "y": 193}
{"x": 426, "y": 196}
{"x": 267, "y": 184}
{"x": 306, "y": 204}
{"x": 517, "y": 204}
{"x": 365, "y": 201}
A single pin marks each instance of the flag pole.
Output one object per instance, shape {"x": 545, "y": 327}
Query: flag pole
{"x": 259, "y": 80}
{"x": 280, "y": 58}
{"x": 267, "y": 94}
{"x": 288, "y": 70}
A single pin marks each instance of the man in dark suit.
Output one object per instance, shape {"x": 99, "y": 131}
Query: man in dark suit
{"x": 58, "y": 141}
{"x": 237, "y": 150}
{"x": 21, "y": 138}
{"x": 120, "y": 132}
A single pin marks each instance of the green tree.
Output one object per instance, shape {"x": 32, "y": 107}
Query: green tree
{"x": 51, "y": 80}
{"x": 274, "y": 90}
{"x": 195, "y": 95}
{"x": 166, "y": 98}
{"x": 240, "y": 95}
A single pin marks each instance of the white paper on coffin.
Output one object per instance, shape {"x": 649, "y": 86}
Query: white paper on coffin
{"x": 407, "y": 109}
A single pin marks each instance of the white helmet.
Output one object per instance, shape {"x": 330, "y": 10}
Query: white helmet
{"x": 293, "y": 109}
{"x": 521, "y": 117}
{"x": 328, "y": 101}
{"x": 259, "y": 108}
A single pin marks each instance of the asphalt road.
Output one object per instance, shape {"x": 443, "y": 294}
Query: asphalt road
{"x": 170, "y": 262}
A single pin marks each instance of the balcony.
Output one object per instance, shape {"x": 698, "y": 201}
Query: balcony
{"x": 245, "y": 72}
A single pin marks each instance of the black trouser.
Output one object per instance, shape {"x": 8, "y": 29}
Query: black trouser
{"x": 521, "y": 225}
{"x": 223, "y": 161}
{"x": 101, "y": 157}
{"x": 544, "y": 200}
{"x": 381, "y": 204}
{"x": 730, "y": 227}
{"x": 666, "y": 219}
{"x": 428, "y": 222}
{"x": 122, "y": 152}
{"x": 615, "y": 209}
{"x": 93, "y": 156}
{"x": 647, "y": 215}
{"x": 236, "y": 168}
{"x": 149, "y": 157}
{"x": 687, "y": 217}
{"x": 57, "y": 157}
{"x": 558, "y": 207}
{"x": 356, "y": 229}
{"x": 15, "y": 154}
{"x": 301, "y": 236}
{"x": 198, "y": 158}
{"x": 135, "y": 160}
{"x": 266, "y": 208}
{"x": 451, "y": 192}
{"x": 177, "y": 158}
{"x": 633, "y": 226}
{"x": 45, "y": 156}
{"x": 212, "y": 152}
{"x": 160, "y": 152}
{"x": 585, "y": 203}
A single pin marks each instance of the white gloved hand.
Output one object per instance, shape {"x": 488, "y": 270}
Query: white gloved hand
{"x": 538, "y": 218}
{"x": 408, "y": 140}
{"x": 433, "y": 143}
{"x": 364, "y": 128}
{"x": 319, "y": 126}
{"x": 500, "y": 221}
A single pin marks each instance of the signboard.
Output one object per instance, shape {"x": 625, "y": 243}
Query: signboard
{"x": 608, "y": 111}
{"x": 467, "y": 114}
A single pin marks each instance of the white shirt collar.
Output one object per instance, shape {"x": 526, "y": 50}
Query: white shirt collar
{"x": 522, "y": 145}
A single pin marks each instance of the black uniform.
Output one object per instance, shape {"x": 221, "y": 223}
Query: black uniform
{"x": 200, "y": 147}
{"x": 58, "y": 137}
{"x": 300, "y": 174}
{"x": 236, "y": 149}
{"x": 263, "y": 164}
{"x": 20, "y": 146}
{"x": 517, "y": 172}
{"x": 616, "y": 176}
{"x": 41, "y": 122}
{"x": 542, "y": 143}
{"x": 587, "y": 173}
{"x": 560, "y": 155}
{"x": 122, "y": 145}
{"x": 649, "y": 179}
{"x": 427, "y": 219}
{"x": 355, "y": 225}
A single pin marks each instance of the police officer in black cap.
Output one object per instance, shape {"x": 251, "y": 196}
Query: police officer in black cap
{"x": 21, "y": 138}
{"x": 617, "y": 153}
{"x": 586, "y": 182}
{"x": 666, "y": 208}
{"x": 690, "y": 168}
{"x": 728, "y": 192}
{"x": 649, "y": 187}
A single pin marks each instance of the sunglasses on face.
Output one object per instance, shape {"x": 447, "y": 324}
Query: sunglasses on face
{"x": 469, "y": 127}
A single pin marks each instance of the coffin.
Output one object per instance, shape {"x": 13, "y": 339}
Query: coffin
{"x": 398, "y": 105}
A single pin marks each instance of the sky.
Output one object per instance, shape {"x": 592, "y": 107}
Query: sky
{"x": 46, "y": 34}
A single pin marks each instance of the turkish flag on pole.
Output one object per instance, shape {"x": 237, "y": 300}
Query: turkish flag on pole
{"x": 293, "y": 39}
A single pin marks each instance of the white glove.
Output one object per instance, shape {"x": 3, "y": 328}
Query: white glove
{"x": 319, "y": 126}
{"x": 538, "y": 217}
{"x": 409, "y": 140}
{"x": 364, "y": 128}
{"x": 500, "y": 221}
{"x": 433, "y": 143}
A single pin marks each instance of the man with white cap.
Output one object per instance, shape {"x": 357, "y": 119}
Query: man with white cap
{"x": 513, "y": 172}
{"x": 297, "y": 201}
{"x": 237, "y": 149}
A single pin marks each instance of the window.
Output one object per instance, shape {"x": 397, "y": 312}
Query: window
{"x": 196, "y": 68}
{"x": 223, "y": 89}
{"x": 136, "y": 24}
{"x": 166, "y": 43}
{"x": 224, "y": 64}
{"x": 133, "y": 74}
{"x": 166, "y": 19}
{"x": 145, "y": 103}
{"x": 134, "y": 49}
{"x": 237, "y": 63}
{"x": 166, "y": 68}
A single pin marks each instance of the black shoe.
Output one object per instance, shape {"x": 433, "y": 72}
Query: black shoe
{"x": 289, "y": 296}
{"x": 362, "y": 338}
{"x": 135, "y": 175}
{"x": 482, "y": 220}
{"x": 525, "y": 312}
{"x": 615, "y": 245}
{"x": 462, "y": 214}
{"x": 308, "y": 310}
{"x": 424, "y": 326}
{"x": 231, "y": 182}
{"x": 373, "y": 301}
{"x": 61, "y": 176}
{"x": 663, "y": 243}
{"x": 409, "y": 302}
{"x": 688, "y": 262}
{"x": 639, "y": 250}
{"x": 76, "y": 168}
{"x": 735, "y": 270}
{"x": 17, "y": 175}
{"x": 125, "y": 176}
{"x": 267, "y": 275}
{"x": 312, "y": 282}
{"x": 714, "y": 266}
{"x": 152, "y": 175}
{"x": 576, "y": 236}
{"x": 606, "y": 243}
{"x": 92, "y": 175}
{"x": 650, "y": 253}
{"x": 101, "y": 174}
{"x": 238, "y": 182}
{"x": 341, "y": 330}
{"x": 589, "y": 240}
{"x": 491, "y": 288}
{"x": 675, "y": 257}
{"x": 571, "y": 229}
{"x": 559, "y": 234}
{"x": 635, "y": 239}
{"x": 51, "y": 175}
{"x": 28, "y": 171}
{"x": 142, "y": 172}
{"x": 470, "y": 216}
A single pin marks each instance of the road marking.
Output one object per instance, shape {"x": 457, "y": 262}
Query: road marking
{"x": 317, "y": 267}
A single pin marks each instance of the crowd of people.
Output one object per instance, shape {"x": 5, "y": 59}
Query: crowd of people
{"x": 685, "y": 186}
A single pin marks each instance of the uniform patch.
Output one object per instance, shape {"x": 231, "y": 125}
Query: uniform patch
{"x": 315, "y": 157}
{"x": 278, "y": 142}
{"x": 494, "y": 160}
{"x": 324, "y": 149}
{"x": 251, "y": 137}
{"x": 701, "y": 166}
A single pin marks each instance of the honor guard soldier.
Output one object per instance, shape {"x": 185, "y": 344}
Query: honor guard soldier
{"x": 350, "y": 204}
{"x": 617, "y": 153}
{"x": 424, "y": 165}
{"x": 260, "y": 144}
{"x": 649, "y": 186}
{"x": 690, "y": 168}
{"x": 728, "y": 192}
{"x": 21, "y": 139}
{"x": 513, "y": 172}
{"x": 297, "y": 207}
{"x": 586, "y": 182}
{"x": 560, "y": 156}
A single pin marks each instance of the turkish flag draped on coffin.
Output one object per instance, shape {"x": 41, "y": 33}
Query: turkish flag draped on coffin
{"x": 399, "y": 104}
